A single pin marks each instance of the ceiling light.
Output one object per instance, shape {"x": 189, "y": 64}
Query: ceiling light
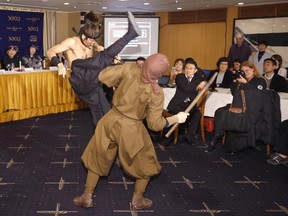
{"x": 66, "y": 3}
{"x": 146, "y": 3}
{"x": 240, "y": 3}
{"x": 179, "y": 8}
{"x": 104, "y": 8}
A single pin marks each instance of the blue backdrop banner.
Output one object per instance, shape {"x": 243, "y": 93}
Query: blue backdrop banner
{"x": 21, "y": 29}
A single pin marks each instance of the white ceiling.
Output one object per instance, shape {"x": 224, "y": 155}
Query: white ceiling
{"x": 131, "y": 5}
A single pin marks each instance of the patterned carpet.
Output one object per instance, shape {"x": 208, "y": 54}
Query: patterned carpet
{"x": 41, "y": 172}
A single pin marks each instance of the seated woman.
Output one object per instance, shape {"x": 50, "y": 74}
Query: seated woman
{"x": 178, "y": 67}
{"x": 224, "y": 78}
{"x": 251, "y": 79}
{"x": 32, "y": 60}
{"x": 188, "y": 84}
{"x": 236, "y": 65}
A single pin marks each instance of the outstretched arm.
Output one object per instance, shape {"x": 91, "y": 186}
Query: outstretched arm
{"x": 65, "y": 45}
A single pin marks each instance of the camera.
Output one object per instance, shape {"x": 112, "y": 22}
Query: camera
{"x": 238, "y": 73}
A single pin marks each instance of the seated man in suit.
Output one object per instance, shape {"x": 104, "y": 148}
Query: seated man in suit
{"x": 188, "y": 84}
{"x": 274, "y": 81}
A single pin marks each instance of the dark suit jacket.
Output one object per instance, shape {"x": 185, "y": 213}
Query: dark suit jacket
{"x": 278, "y": 83}
{"x": 227, "y": 79}
{"x": 264, "y": 110}
{"x": 184, "y": 90}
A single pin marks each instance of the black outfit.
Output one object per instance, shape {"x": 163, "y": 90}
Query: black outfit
{"x": 278, "y": 83}
{"x": 84, "y": 78}
{"x": 264, "y": 108}
{"x": 220, "y": 114}
{"x": 240, "y": 53}
{"x": 254, "y": 83}
{"x": 6, "y": 60}
{"x": 280, "y": 139}
{"x": 259, "y": 108}
{"x": 184, "y": 95}
{"x": 227, "y": 79}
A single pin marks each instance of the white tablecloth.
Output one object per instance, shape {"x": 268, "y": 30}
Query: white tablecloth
{"x": 223, "y": 97}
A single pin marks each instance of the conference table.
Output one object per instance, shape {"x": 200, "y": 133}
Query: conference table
{"x": 220, "y": 98}
{"x": 35, "y": 93}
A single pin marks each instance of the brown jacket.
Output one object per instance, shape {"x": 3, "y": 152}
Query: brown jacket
{"x": 122, "y": 127}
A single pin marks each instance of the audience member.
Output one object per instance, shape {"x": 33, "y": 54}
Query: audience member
{"x": 85, "y": 68}
{"x": 236, "y": 65}
{"x": 11, "y": 60}
{"x": 274, "y": 81}
{"x": 279, "y": 69}
{"x": 177, "y": 68}
{"x": 240, "y": 50}
{"x": 188, "y": 84}
{"x": 279, "y": 145}
{"x": 121, "y": 131}
{"x": 251, "y": 79}
{"x": 140, "y": 61}
{"x": 32, "y": 60}
{"x": 224, "y": 78}
{"x": 258, "y": 57}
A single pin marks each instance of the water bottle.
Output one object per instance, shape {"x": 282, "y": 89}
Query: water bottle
{"x": 12, "y": 66}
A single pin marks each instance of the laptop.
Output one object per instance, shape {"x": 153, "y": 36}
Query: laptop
{"x": 164, "y": 81}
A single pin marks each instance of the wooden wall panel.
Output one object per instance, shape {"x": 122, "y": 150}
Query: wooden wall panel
{"x": 204, "y": 42}
{"x": 275, "y": 10}
{"x": 281, "y": 10}
{"x": 198, "y": 16}
{"x": 64, "y": 23}
{"x": 256, "y": 11}
{"x": 62, "y": 31}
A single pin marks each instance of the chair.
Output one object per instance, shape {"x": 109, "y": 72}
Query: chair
{"x": 201, "y": 106}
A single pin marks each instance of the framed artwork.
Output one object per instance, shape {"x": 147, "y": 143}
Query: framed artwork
{"x": 273, "y": 30}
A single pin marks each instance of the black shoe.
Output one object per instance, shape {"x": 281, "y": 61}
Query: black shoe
{"x": 210, "y": 149}
{"x": 132, "y": 25}
{"x": 214, "y": 143}
{"x": 277, "y": 160}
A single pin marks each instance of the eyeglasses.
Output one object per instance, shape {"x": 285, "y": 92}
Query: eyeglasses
{"x": 12, "y": 48}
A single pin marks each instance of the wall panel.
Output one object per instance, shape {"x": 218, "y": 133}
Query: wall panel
{"x": 204, "y": 42}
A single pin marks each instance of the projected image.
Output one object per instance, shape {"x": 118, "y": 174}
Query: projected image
{"x": 144, "y": 45}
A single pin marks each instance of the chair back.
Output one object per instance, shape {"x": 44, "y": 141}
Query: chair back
{"x": 201, "y": 103}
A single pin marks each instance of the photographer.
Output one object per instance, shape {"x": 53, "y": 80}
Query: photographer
{"x": 247, "y": 78}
